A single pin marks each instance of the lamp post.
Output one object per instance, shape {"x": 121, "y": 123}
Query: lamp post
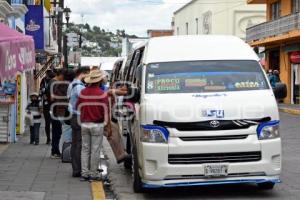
{"x": 67, "y": 12}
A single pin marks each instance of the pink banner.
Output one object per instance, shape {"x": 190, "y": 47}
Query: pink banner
{"x": 16, "y": 55}
{"x": 17, "y": 52}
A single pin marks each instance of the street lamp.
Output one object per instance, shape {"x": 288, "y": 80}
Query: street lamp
{"x": 67, "y": 12}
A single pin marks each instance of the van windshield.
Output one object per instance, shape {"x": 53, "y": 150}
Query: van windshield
{"x": 204, "y": 76}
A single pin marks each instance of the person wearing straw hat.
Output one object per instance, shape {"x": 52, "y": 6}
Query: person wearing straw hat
{"x": 93, "y": 106}
{"x": 33, "y": 109}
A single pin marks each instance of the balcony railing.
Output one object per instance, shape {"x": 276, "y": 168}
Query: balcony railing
{"x": 273, "y": 28}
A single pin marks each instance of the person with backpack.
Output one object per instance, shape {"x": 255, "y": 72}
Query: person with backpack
{"x": 74, "y": 90}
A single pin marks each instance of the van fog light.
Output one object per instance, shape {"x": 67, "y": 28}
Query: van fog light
{"x": 151, "y": 167}
{"x": 276, "y": 162}
{"x": 154, "y": 134}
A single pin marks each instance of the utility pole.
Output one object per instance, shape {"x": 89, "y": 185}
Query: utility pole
{"x": 60, "y": 25}
{"x": 65, "y": 51}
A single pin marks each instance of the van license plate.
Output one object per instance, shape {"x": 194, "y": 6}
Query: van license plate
{"x": 215, "y": 170}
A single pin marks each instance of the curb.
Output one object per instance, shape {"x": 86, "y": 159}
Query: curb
{"x": 290, "y": 111}
{"x": 97, "y": 191}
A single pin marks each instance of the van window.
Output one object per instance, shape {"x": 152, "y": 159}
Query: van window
{"x": 204, "y": 76}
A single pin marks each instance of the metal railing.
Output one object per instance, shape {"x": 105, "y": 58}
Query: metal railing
{"x": 47, "y": 66}
{"x": 273, "y": 28}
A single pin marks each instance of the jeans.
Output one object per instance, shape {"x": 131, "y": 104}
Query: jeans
{"x": 92, "y": 136}
{"x": 76, "y": 145}
{"x": 56, "y": 135}
{"x": 35, "y": 133}
{"x": 47, "y": 118}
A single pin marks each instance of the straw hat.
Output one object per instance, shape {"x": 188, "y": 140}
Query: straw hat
{"x": 34, "y": 94}
{"x": 94, "y": 77}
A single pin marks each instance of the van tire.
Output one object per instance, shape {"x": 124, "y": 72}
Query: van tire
{"x": 137, "y": 182}
{"x": 266, "y": 186}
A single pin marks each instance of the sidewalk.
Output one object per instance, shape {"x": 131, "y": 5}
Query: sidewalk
{"x": 120, "y": 178}
{"x": 28, "y": 173}
{"x": 291, "y": 109}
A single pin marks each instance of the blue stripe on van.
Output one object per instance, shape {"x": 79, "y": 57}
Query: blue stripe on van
{"x": 229, "y": 182}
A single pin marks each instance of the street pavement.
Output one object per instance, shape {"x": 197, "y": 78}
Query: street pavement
{"x": 289, "y": 189}
{"x": 28, "y": 173}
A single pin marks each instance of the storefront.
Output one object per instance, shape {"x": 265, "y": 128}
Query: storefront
{"x": 295, "y": 77}
{"x": 17, "y": 56}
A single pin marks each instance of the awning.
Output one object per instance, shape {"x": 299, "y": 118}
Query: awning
{"x": 17, "y": 51}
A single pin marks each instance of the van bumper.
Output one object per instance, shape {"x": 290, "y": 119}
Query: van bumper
{"x": 205, "y": 182}
{"x": 156, "y": 170}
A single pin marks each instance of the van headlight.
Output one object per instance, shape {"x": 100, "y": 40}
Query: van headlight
{"x": 154, "y": 134}
{"x": 269, "y": 130}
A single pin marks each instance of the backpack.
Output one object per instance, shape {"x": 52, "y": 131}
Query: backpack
{"x": 66, "y": 152}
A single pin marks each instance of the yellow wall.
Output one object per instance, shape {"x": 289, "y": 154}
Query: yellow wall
{"x": 47, "y": 5}
{"x": 286, "y": 7}
{"x": 285, "y": 73}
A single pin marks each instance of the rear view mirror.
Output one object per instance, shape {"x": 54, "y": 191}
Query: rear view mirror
{"x": 139, "y": 72}
{"x": 136, "y": 95}
{"x": 280, "y": 91}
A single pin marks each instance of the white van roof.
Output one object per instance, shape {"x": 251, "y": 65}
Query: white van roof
{"x": 201, "y": 47}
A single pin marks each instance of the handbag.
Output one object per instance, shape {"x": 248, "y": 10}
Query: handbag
{"x": 28, "y": 119}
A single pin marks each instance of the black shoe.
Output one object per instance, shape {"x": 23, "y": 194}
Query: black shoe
{"x": 84, "y": 178}
{"x": 31, "y": 143}
{"x": 126, "y": 158}
{"x": 55, "y": 156}
{"x": 95, "y": 179}
{"x": 76, "y": 175}
{"x": 48, "y": 142}
{"x": 36, "y": 143}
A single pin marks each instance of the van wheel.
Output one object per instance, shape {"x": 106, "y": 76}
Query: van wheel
{"x": 266, "y": 186}
{"x": 137, "y": 182}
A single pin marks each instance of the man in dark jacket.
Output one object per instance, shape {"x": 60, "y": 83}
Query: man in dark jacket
{"x": 53, "y": 93}
{"x": 46, "y": 104}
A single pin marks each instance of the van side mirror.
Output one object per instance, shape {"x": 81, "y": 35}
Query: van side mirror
{"x": 280, "y": 91}
{"x": 139, "y": 72}
{"x": 136, "y": 95}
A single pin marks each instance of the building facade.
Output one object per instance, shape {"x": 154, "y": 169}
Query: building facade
{"x": 224, "y": 17}
{"x": 159, "y": 32}
{"x": 280, "y": 36}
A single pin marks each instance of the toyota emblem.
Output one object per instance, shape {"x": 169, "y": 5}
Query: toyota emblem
{"x": 214, "y": 124}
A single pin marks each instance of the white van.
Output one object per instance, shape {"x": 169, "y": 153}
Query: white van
{"x": 205, "y": 114}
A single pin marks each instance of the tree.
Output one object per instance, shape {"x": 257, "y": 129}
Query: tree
{"x": 96, "y": 29}
{"x": 87, "y": 27}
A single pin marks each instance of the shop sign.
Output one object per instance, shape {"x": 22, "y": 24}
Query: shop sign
{"x": 295, "y": 57}
{"x": 34, "y": 23}
{"x": 19, "y": 101}
{"x": 16, "y": 56}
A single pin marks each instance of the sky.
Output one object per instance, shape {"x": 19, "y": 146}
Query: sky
{"x": 134, "y": 16}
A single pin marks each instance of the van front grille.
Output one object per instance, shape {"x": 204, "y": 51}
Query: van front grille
{"x": 213, "y": 138}
{"x": 207, "y": 126}
{"x": 177, "y": 159}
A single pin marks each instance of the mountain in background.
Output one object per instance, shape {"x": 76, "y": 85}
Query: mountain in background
{"x": 97, "y": 42}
